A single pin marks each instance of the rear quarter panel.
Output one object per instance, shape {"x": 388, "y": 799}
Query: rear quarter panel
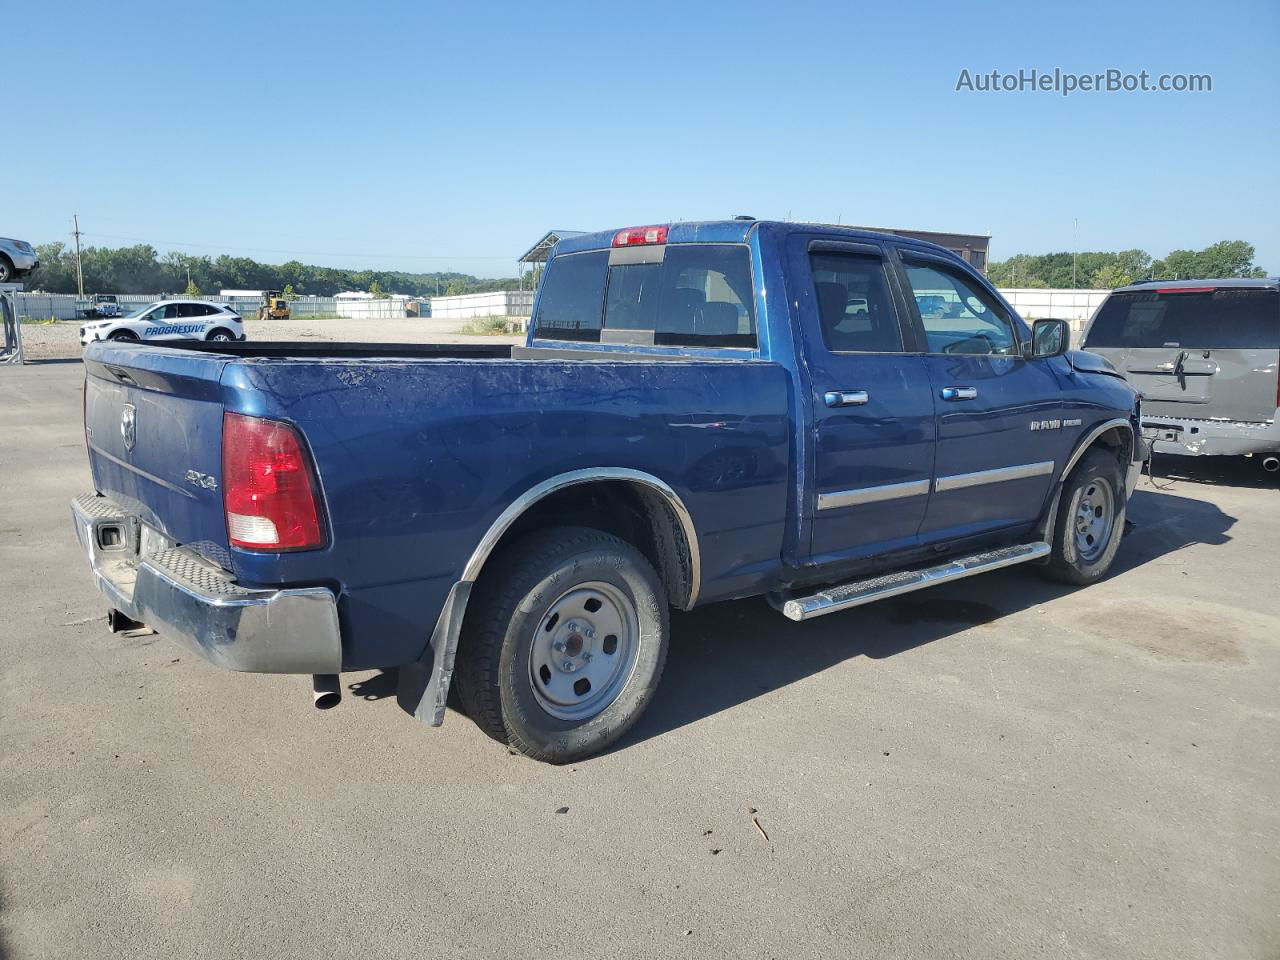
{"x": 416, "y": 460}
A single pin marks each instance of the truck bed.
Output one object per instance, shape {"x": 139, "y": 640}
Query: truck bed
{"x": 340, "y": 349}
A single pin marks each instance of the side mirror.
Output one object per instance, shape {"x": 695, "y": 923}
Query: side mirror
{"x": 1049, "y": 338}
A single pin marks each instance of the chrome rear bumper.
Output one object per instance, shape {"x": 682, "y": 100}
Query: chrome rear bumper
{"x": 1225, "y": 438}
{"x": 189, "y": 600}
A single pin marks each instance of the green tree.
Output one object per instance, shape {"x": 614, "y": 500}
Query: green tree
{"x": 1134, "y": 263}
{"x": 141, "y": 269}
{"x": 376, "y": 289}
{"x": 192, "y": 289}
{"x": 1109, "y": 277}
{"x": 1227, "y": 258}
{"x": 288, "y": 293}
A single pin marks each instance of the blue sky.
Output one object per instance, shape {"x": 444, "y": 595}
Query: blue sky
{"x": 426, "y": 136}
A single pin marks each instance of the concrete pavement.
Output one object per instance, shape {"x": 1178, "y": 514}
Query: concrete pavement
{"x": 1003, "y": 767}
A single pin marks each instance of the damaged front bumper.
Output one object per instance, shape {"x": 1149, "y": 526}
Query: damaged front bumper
{"x": 157, "y": 583}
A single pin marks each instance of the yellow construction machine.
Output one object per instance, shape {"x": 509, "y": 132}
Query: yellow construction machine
{"x": 274, "y": 306}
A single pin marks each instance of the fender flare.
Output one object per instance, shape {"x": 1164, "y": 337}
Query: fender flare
{"x": 1049, "y": 519}
{"x": 1093, "y": 435}
{"x": 423, "y": 686}
{"x": 574, "y": 478}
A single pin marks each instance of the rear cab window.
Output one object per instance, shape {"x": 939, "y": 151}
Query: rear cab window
{"x": 692, "y": 295}
{"x": 1211, "y": 318}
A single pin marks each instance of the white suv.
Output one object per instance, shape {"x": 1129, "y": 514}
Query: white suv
{"x": 169, "y": 320}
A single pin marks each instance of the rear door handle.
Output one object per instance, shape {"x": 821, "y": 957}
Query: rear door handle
{"x": 845, "y": 398}
{"x": 959, "y": 393}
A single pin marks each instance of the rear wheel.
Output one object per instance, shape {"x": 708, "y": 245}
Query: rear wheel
{"x": 564, "y": 643}
{"x": 1090, "y": 520}
{"x": 220, "y": 335}
{"x": 6, "y": 269}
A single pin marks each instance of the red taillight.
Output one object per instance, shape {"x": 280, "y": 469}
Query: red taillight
{"x": 1163, "y": 290}
{"x": 640, "y": 237}
{"x": 267, "y": 489}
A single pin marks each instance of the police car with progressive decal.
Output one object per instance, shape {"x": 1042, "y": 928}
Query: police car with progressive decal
{"x": 169, "y": 320}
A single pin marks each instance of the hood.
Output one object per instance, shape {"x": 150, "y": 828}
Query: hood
{"x": 1086, "y": 362}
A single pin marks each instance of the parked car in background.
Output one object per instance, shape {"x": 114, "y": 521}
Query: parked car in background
{"x": 17, "y": 259}
{"x": 169, "y": 320}
{"x": 1205, "y": 355}
{"x": 104, "y": 305}
{"x": 701, "y": 412}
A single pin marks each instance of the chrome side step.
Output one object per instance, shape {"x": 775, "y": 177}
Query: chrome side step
{"x": 855, "y": 594}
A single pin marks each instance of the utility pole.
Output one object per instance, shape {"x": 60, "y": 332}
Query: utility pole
{"x": 1075, "y": 233}
{"x": 75, "y": 218}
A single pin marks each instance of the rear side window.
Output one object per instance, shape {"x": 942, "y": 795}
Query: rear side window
{"x": 698, "y": 296}
{"x": 1225, "y": 319}
{"x": 572, "y": 297}
{"x": 854, "y": 304}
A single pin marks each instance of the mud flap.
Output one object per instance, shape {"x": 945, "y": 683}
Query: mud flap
{"x": 423, "y": 686}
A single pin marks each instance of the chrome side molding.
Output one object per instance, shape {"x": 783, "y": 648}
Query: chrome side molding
{"x": 1021, "y": 471}
{"x": 889, "y": 491}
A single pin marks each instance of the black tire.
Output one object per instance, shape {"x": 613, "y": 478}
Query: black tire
{"x": 7, "y": 273}
{"x": 508, "y": 614}
{"x": 123, "y": 335}
{"x": 221, "y": 333}
{"x": 1077, "y": 557}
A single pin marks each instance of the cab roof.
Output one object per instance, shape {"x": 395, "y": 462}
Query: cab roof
{"x": 738, "y": 231}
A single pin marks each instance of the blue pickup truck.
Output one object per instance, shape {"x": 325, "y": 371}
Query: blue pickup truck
{"x": 701, "y": 412}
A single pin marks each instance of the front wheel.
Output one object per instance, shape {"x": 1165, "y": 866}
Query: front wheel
{"x": 564, "y": 644}
{"x": 127, "y": 336}
{"x": 1090, "y": 521}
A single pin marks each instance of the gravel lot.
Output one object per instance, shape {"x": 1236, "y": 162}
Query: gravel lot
{"x": 61, "y": 341}
{"x": 998, "y": 768}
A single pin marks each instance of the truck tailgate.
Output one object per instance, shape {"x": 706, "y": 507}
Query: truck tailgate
{"x": 153, "y": 424}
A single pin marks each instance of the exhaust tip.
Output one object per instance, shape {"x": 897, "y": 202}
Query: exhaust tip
{"x": 1271, "y": 464}
{"x": 325, "y": 691}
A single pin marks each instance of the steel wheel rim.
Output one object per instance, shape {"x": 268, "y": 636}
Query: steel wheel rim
{"x": 584, "y": 652}
{"x": 1093, "y": 518}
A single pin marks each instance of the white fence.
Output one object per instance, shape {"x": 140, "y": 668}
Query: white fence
{"x": 499, "y": 303}
{"x": 385, "y": 308}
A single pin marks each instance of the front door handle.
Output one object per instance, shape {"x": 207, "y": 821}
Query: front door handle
{"x": 845, "y": 398}
{"x": 959, "y": 393}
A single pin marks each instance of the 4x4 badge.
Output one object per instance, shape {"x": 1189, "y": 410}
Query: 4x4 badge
{"x": 129, "y": 425}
